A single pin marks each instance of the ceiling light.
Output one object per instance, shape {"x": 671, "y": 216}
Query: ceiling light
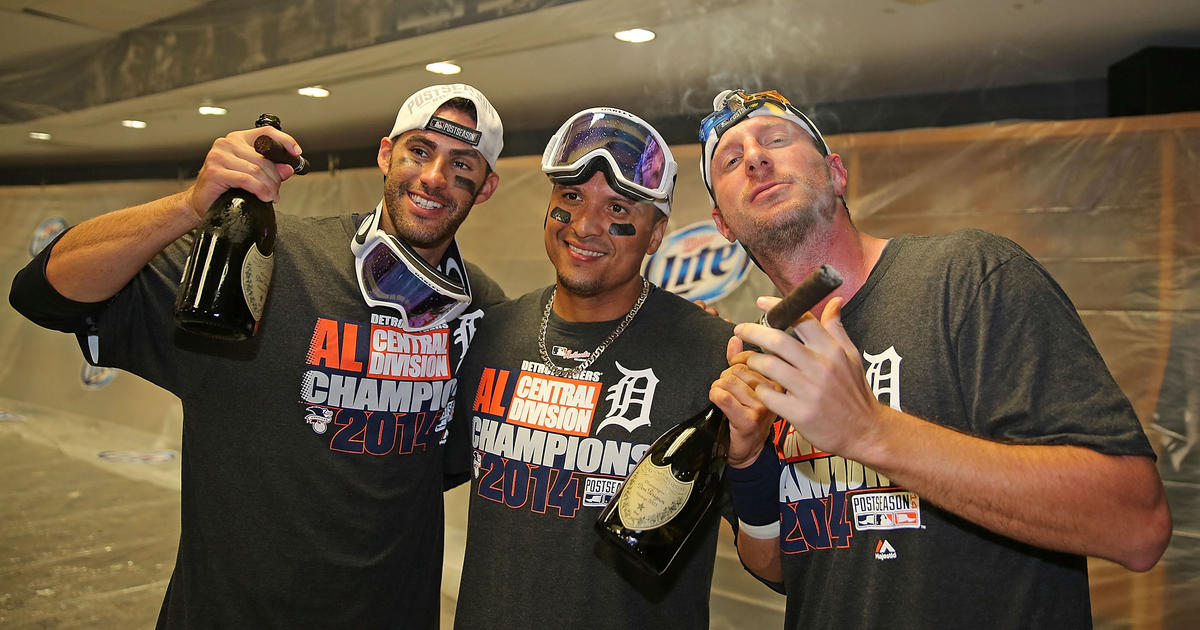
{"x": 134, "y": 124}
{"x": 443, "y": 67}
{"x": 635, "y": 35}
{"x": 314, "y": 91}
{"x": 37, "y": 135}
{"x": 209, "y": 110}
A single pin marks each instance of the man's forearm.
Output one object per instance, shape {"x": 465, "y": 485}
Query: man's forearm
{"x": 1064, "y": 498}
{"x": 96, "y": 258}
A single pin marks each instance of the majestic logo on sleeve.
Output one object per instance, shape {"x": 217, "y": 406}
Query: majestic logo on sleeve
{"x": 536, "y": 440}
{"x": 825, "y": 498}
{"x": 379, "y": 390}
{"x": 884, "y": 550}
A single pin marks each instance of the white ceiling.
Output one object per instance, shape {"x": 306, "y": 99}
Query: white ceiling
{"x": 539, "y": 66}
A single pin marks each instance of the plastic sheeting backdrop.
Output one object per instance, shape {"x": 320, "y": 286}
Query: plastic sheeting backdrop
{"x": 1108, "y": 206}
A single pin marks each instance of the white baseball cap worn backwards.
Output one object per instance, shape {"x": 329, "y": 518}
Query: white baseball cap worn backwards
{"x": 418, "y": 113}
{"x": 731, "y": 107}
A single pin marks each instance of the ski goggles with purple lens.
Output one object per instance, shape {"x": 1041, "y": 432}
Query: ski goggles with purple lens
{"x": 634, "y": 155}
{"x": 392, "y": 275}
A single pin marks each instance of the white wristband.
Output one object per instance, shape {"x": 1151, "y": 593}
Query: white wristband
{"x": 760, "y": 532}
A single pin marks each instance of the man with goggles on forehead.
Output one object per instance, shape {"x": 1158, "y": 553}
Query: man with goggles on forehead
{"x": 312, "y": 487}
{"x": 961, "y": 480}
{"x": 566, "y": 387}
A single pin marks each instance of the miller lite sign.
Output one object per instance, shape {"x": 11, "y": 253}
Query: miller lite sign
{"x": 697, "y": 263}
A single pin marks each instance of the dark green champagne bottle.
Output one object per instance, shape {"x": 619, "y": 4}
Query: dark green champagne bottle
{"x": 659, "y": 505}
{"x": 228, "y": 273}
{"x": 662, "y": 501}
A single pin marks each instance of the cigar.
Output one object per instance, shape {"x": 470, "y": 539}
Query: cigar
{"x": 816, "y": 287}
{"x": 272, "y": 150}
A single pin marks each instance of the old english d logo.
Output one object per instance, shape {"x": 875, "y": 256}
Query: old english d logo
{"x": 630, "y": 399}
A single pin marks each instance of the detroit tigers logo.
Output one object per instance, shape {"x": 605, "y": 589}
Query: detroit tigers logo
{"x": 465, "y": 332}
{"x": 883, "y": 374}
{"x": 634, "y": 390}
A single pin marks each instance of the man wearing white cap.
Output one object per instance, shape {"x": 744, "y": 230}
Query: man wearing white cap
{"x": 565, "y": 388}
{"x": 312, "y": 453}
{"x": 951, "y": 445}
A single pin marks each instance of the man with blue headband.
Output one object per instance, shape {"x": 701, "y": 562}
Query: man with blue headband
{"x": 569, "y": 385}
{"x": 949, "y": 445}
{"x": 311, "y": 489}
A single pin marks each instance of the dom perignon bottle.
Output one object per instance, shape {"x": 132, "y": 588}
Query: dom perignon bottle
{"x": 225, "y": 282}
{"x": 665, "y": 497}
{"x": 659, "y": 505}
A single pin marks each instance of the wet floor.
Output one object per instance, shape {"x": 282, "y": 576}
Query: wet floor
{"x": 80, "y": 546}
{"x": 90, "y": 522}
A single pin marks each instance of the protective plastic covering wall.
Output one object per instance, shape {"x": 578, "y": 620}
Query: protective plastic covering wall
{"x": 1110, "y": 207}
{"x": 216, "y": 39}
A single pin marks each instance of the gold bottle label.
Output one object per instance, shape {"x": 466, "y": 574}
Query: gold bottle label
{"x": 256, "y": 279}
{"x": 652, "y": 496}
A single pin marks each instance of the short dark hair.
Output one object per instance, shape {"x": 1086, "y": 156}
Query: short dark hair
{"x": 462, "y": 106}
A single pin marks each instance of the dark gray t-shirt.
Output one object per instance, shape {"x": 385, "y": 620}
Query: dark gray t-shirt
{"x": 312, "y": 453}
{"x": 968, "y": 331}
{"x": 547, "y": 453}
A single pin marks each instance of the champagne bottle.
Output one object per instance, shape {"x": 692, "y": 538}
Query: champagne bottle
{"x": 659, "y": 505}
{"x": 228, "y": 272}
{"x": 661, "y": 502}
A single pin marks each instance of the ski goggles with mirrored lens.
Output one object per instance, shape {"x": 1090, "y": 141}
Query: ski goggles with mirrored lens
{"x": 391, "y": 274}
{"x": 731, "y": 107}
{"x": 633, "y": 155}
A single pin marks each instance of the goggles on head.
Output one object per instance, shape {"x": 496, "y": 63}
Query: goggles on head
{"x": 391, "y": 274}
{"x": 634, "y": 157}
{"x": 732, "y": 107}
